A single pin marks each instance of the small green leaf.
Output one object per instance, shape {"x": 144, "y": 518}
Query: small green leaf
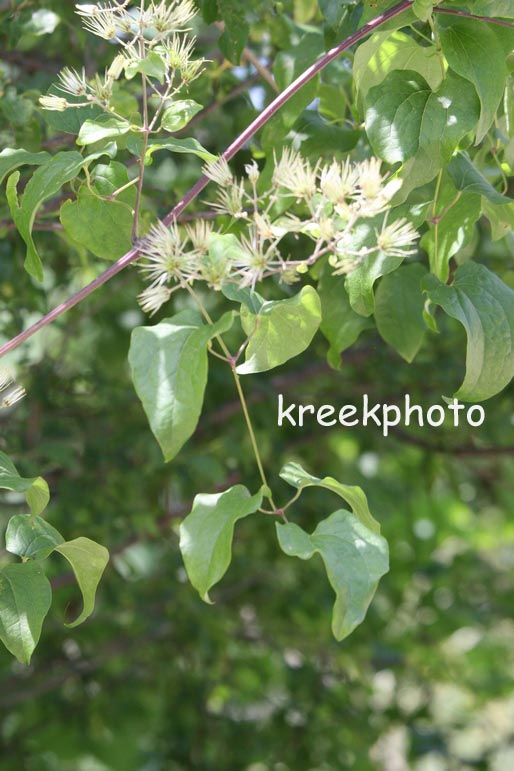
{"x": 111, "y": 236}
{"x": 25, "y": 599}
{"x": 206, "y": 535}
{"x": 355, "y": 559}
{"x": 235, "y": 35}
{"x": 152, "y": 65}
{"x": 179, "y": 114}
{"x": 282, "y": 329}
{"x": 190, "y": 146}
{"x": 102, "y": 127}
{"x": 11, "y": 159}
{"x": 296, "y": 476}
{"x": 31, "y": 537}
{"x": 467, "y": 178}
{"x": 35, "y": 489}
{"x": 169, "y": 371}
{"x": 243, "y": 295}
{"x": 423, "y": 9}
{"x": 484, "y": 305}
{"x": 88, "y": 560}
{"x": 399, "y": 304}
{"x": 340, "y": 324}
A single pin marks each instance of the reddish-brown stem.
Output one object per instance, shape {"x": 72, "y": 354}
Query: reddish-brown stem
{"x": 236, "y": 145}
{"x": 466, "y": 15}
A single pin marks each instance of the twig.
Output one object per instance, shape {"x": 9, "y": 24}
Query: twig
{"x": 466, "y": 15}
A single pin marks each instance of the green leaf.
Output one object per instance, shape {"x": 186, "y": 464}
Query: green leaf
{"x": 423, "y": 9}
{"x": 102, "y": 127}
{"x": 109, "y": 177}
{"x": 394, "y": 50}
{"x": 355, "y": 559}
{"x": 314, "y": 137}
{"x": 71, "y": 119}
{"x": 179, "y": 114}
{"x": 11, "y": 159}
{"x": 44, "y": 183}
{"x": 206, "y": 535}
{"x": 235, "y": 35}
{"x": 88, "y": 560}
{"x": 288, "y": 65}
{"x": 103, "y": 227}
{"x": 153, "y": 66}
{"x": 25, "y": 599}
{"x": 455, "y": 227}
{"x": 473, "y": 50}
{"x": 467, "y": 178}
{"x": 501, "y": 218}
{"x": 169, "y": 370}
{"x": 340, "y": 324}
{"x": 296, "y": 476}
{"x": 484, "y": 305}
{"x": 31, "y": 537}
{"x": 281, "y": 330}
{"x": 243, "y": 295}
{"x": 394, "y": 114}
{"x": 35, "y": 489}
{"x": 399, "y": 307}
{"x": 190, "y": 146}
{"x": 360, "y": 282}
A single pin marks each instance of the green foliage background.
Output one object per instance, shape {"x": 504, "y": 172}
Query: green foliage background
{"x": 156, "y": 679}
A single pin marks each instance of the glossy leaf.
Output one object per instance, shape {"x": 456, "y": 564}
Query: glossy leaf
{"x": 484, "y": 305}
{"x": 34, "y": 489}
{"x": 190, "y": 146}
{"x": 281, "y": 330}
{"x": 296, "y": 476}
{"x": 31, "y": 537}
{"x": 399, "y": 304}
{"x": 340, "y": 324}
{"x": 206, "y": 535}
{"x": 179, "y": 114}
{"x": 169, "y": 370}
{"x": 355, "y": 559}
{"x": 88, "y": 560}
{"x": 25, "y": 599}
{"x": 111, "y": 236}
{"x": 102, "y": 127}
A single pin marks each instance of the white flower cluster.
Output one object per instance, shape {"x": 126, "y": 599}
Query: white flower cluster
{"x": 329, "y": 202}
{"x": 10, "y": 393}
{"x": 159, "y": 28}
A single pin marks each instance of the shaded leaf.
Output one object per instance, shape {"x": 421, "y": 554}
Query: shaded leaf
{"x": 484, "y": 305}
{"x": 103, "y": 227}
{"x": 399, "y": 305}
{"x": 25, "y": 599}
{"x": 355, "y": 559}
{"x": 467, "y": 178}
{"x": 88, "y": 560}
{"x": 206, "y": 535}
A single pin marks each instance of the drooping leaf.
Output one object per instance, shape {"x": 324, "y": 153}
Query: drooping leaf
{"x": 467, "y": 178}
{"x": 473, "y": 51}
{"x": 206, "y": 535}
{"x": 360, "y": 282}
{"x": 34, "y": 489}
{"x": 169, "y": 371}
{"x": 355, "y": 559}
{"x": 31, "y": 537}
{"x": 103, "y": 227}
{"x": 281, "y": 330}
{"x": 44, "y": 183}
{"x": 501, "y": 218}
{"x": 11, "y": 159}
{"x": 179, "y": 114}
{"x": 88, "y": 560}
{"x": 296, "y": 476}
{"x": 399, "y": 304}
{"x": 25, "y": 599}
{"x": 340, "y": 324}
{"x": 484, "y": 305}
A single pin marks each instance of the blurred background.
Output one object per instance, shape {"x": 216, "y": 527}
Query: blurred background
{"x": 157, "y": 680}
